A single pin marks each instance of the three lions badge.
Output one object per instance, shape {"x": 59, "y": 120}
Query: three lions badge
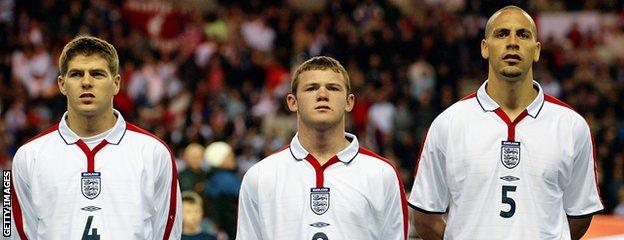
{"x": 90, "y": 183}
{"x": 510, "y": 154}
{"x": 319, "y": 200}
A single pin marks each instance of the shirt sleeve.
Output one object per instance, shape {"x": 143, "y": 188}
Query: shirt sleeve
{"x": 23, "y": 224}
{"x": 248, "y": 226}
{"x": 430, "y": 192}
{"x": 167, "y": 220}
{"x": 580, "y": 197}
{"x": 394, "y": 225}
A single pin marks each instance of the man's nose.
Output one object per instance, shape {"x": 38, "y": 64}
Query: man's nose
{"x": 512, "y": 42}
{"x": 86, "y": 81}
{"x": 322, "y": 94}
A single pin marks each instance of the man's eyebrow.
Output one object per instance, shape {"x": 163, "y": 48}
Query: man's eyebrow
{"x": 525, "y": 30}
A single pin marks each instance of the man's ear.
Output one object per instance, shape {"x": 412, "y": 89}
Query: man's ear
{"x": 536, "y": 54}
{"x": 291, "y": 101}
{"x": 484, "y": 49}
{"x": 61, "y": 84}
{"x": 117, "y": 82}
{"x": 350, "y": 102}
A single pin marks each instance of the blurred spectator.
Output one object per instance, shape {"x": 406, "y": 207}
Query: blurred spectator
{"x": 222, "y": 187}
{"x": 550, "y": 85}
{"x": 192, "y": 214}
{"x": 257, "y": 34}
{"x": 422, "y": 77}
{"x": 381, "y": 117}
{"x": 193, "y": 176}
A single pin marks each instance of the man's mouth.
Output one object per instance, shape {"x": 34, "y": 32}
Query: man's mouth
{"x": 512, "y": 57}
{"x": 322, "y": 108}
{"x": 87, "y": 95}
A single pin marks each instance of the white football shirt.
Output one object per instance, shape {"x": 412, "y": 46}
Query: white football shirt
{"x": 507, "y": 180}
{"x": 126, "y": 187}
{"x": 355, "y": 195}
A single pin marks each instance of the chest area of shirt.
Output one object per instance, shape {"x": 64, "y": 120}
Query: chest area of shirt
{"x": 339, "y": 175}
{"x": 345, "y": 190}
{"x": 534, "y": 150}
{"x": 68, "y": 170}
{"x": 482, "y": 137}
{"x": 108, "y": 157}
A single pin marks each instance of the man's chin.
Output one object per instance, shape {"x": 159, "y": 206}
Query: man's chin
{"x": 87, "y": 111}
{"x": 511, "y": 72}
{"x": 322, "y": 125}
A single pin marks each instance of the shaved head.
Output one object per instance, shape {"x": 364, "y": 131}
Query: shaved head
{"x": 488, "y": 25}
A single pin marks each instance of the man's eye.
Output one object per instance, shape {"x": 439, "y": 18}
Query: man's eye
{"x": 74, "y": 74}
{"x": 524, "y": 35}
{"x": 501, "y": 34}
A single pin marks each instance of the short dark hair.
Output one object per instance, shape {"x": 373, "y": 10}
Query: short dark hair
{"x": 192, "y": 198}
{"x": 320, "y": 63}
{"x": 488, "y": 25}
{"x": 89, "y": 45}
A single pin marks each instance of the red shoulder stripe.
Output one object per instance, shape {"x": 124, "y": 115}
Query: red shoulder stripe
{"x": 49, "y": 130}
{"x": 472, "y": 95}
{"x": 554, "y": 100}
{"x": 280, "y": 149}
{"x": 174, "y": 181}
{"x": 17, "y": 212}
{"x": 402, "y": 188}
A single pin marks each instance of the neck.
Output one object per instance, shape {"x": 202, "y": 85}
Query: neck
{"x": 87, "y": 126}
{"x": 323, "y": 145}
{"x": 190, "y": 230}
{"x": 512, "y": 96}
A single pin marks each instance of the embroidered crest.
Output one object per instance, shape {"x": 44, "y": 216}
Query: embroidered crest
{"x": 510, "y": 154}
{"x": 90, "y": 184}
{"x": 319, "y": 200}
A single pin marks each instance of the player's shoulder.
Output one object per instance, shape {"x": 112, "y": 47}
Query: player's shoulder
{"x": 140, "y": 135}
{"x": 554, "y": 106}
{"x": 269, "y": 163}
{"x": 465, "y": 106}
{"x": 469, "y": 102}
{"x": 37, "y": 142}
{"x": 373, "y": 159}
{"x": 374, "y": 166}
{"x": 561, "y": 113}
{"x": 277, "y": 157}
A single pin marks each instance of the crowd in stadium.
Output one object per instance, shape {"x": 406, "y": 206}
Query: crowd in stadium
{"x": 199, "y": 72}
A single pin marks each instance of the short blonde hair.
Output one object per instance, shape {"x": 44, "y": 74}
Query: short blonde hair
{"x": 88, "y": 45}
{"x": 319, "y": 63}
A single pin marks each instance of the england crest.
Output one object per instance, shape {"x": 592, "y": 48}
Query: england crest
{"x": 319, "y": 200}
{"x": 510, "y": 154}
{"x": 90, "y": 183}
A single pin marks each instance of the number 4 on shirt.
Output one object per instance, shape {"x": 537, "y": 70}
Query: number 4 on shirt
{"x": 85, "y": 234}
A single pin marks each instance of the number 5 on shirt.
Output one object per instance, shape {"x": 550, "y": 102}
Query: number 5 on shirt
{"x": 507, "y": 200}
